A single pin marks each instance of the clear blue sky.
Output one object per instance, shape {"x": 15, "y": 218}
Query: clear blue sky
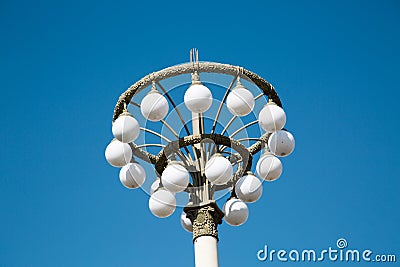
{"x": 63, "y": 65}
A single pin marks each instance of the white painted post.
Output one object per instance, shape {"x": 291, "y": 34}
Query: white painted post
{"x": 205, "y": 244}
{"x": 206, "y": 251}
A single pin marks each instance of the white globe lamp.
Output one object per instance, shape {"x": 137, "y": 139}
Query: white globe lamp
{"x": 175, "y": 177}
{"x": 154, "y": 186}
{"x": 162, "y": 203}
{"x": 269, "y": 167}
{"x": 236, "y": 212}
{"x": 118, "y": 154}
{"x": 197, "y": 98}
{"x": 132, "y": 175}
{"x": 240, "y": 101}
{"x": 272, "y": 117}
{"x": 154, "y": 106}
{"x": 126, "y": 128}
{"x": 281, "y": 143}
{"x": 186, "y": 223}
{"x": 248, "y": 188}
{"x": 218, "y": 170}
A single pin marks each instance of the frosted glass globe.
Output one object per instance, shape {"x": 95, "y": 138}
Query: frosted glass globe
{"x": 126, "y": 128}
{"x": 198, "y": 98}
{"x": 118, "y": 154}
{"x": 281, "y": 143}
{"x": 162, "y": 203}
{"x": 186, "y": 223}
{"x": 154, "y": 186}
{"x": 248, "y": 188}
{"x": 154, "y": 106}
{"x": 272, "y": 118}
{"x": 269, "y": 167}
{"x": 218, "y": 170}
{"x": 132, "y": 175}
{"x": 236, "y": 212}
{"x": 175, "y": 177}
{"x": 240, "y": 101}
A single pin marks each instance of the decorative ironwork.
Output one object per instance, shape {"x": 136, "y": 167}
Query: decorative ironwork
{"x": 205, "y": 219}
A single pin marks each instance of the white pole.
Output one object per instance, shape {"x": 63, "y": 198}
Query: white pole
{"x": 206, "y": 251}
{"x": 205, "y": 246}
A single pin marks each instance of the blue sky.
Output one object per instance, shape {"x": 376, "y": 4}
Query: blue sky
{"x": 335, "y": 65}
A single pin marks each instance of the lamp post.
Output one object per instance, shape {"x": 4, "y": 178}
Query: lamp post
{"x": 207, "y": 157}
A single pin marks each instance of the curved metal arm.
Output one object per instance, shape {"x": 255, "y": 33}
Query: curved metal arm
{"x": 175, "y": 107}
{"x": 222, "y": 103}
{"x": 162, "y": 160}
{"x": 155, "y": 133}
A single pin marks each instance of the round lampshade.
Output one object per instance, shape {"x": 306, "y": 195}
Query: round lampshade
{"x": 218, "y": 170}
{"x": 154, "y": 186}
{"x": 154, "y": 106}
{"x": 125, "y": 128}
{"x": 236, "y": 212}
{"x": 186, "y": 223}
{"x": 132, "y": 175}
{"x": 281, "y": 143}
{"x": 240, "y": 101}
{"x": 272, "y": 118}
{"x": 248, "y": 188}
{"x": 198, "y": 98}
{"x": 269, "y": 167}
{"x": 162, "y": 203}
{"x": 175, "y": 177}
{"x": 118, "y": 154}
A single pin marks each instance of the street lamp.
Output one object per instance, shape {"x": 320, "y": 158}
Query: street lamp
{"x": 206, "y": 159}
